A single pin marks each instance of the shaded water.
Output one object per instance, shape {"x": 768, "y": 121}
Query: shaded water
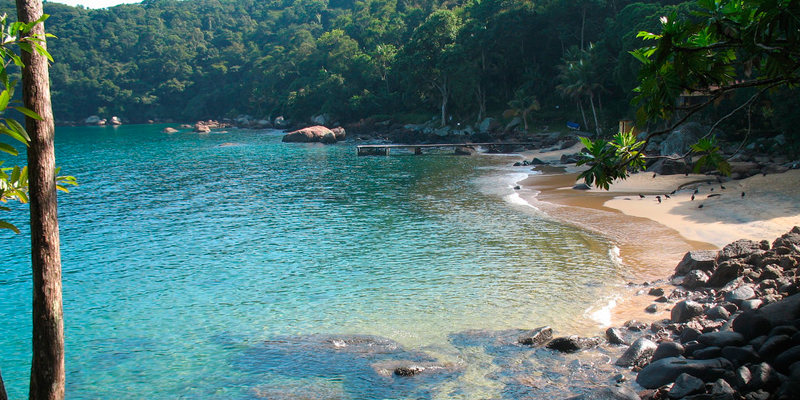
{"x": 184, "y": 253}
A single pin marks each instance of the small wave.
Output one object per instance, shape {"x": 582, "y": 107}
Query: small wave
{"x": 613, "y": 253}
{"x": 603, "y": 315}
{"x": 515, "y": 198}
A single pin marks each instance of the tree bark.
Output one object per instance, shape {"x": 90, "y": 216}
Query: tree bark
{"x": 47, "y": 367}
{"x": 3, "y": 395}
{"x": 594, "y": 112}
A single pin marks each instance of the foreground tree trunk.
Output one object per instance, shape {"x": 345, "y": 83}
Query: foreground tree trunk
{"x": 47, "y": 367}
{"x": 3, "y": 395}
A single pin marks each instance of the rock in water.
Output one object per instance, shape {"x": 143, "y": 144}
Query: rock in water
{"x": 638, "y": 354}
{"x": 311, "y": 134}
{"x": 537, "y": 337}
{"x": 667, "y": 370}
{"x": 572, "y": 343}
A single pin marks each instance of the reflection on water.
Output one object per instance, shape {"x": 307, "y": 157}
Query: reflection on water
{"x": 182, "y": 258}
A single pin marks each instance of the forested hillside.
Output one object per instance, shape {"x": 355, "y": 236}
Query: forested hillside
{"x": 416, "y": 59}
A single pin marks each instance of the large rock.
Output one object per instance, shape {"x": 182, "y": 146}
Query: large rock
{"x": 311, "y": 134}
{"x": 489, "y": 125}
{"x": 685, "y": 310}
{"x": 638, "y": 354}
{"x": 667, "y": 370}
{"x": 666, "y": 350}
{"x": 697, "y": 259}
{"x": 790, "y": 240}
{"x": 722, "y": 339}
{"x": 686, "y": 385}
{"x": 752, "y": 324}
{"x": 573, "y": 343}
{"x": 537, "y": 337}
{"x": 680, "y": 139}
{"x": 738, "y": 249}
{"x": 669, "y": 166}
{"x": 695, "y": 279}
{"x": 787, "y": 309}
{"x": 726, "y": 272}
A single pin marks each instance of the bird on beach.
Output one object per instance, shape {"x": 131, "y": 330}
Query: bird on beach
{"x": 696, "y": 191}
{"x": 722, "y": 187}
{"x": 667, "y": 196}
{"x": 742, "y": 194}
{"x": 641, "y": 196}
{"x": 712, "y": 189}
{"x": 700, "y": 206}
{"x": 654, "y": 174}
{"x": 659, "y": 199}
{"x": 692, "y": 197}
{"x": 673, "y": 192}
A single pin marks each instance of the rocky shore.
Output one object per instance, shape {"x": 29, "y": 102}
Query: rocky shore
{"x": 733, "y": 331}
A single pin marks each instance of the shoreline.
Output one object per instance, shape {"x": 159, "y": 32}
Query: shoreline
{"x": 652, "y": 236}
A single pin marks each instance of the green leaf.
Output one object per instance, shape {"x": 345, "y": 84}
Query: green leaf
{"x": 13, "y": 124}
{"x": 4, "y": 99}
{"x": 13, "y": 134}
{"x": 14, "y": 175}
{"x": 6, "y": 225}
{"x": 29, "y": 113}
{"x": 7, "y": 148}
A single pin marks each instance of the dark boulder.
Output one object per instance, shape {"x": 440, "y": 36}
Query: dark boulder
{"x": 785, "y": 310}
{"x": 706, "y": 353}
{"x": 726, "y": 272}
{"x": 790, "y": 240}
{"x": 667, "y": 370}
{"x": 738, "y": 249}
{"x": 751, "y": 324}
{"x": 666, "y": 350}
{"x": 696, "y": 259}
{"x": 774, "y": 346}
{"x": 685, "y": 310}
{"x": 695, "y": 279}
{"x": 722, "y": 339}
{"x": 669, "y": 166}
{"x": 717, "y": 312}
{"x": 786, "y": 359}
{"x": 614, "y": 336}
{"x": 740, "y": 355}
{"x": 573, "y": 343}
{"x": 686, "y": 385}
{"x": 740, "y": 294}
{"x": 638, "y": 354}
{"x": 689, "y": 334}
{"x": 763, "y": 377}
{"x": 537, "y": 337}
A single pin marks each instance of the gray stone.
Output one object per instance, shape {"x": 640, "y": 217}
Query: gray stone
{"x": 679, "y": 140}
{"x": 666, "y": 370}
{"x": 706, "y": 353}
{"x": 763, "y": 377}
{"x": 537, "y": 337}
{"x": 685, "y": 310}
{"x": 656, "y": 292}
{"x": 720, "y": 388}
{"x": 752, "y": 324}
{"x": 752, "y": 304}
{"x": 638, "y": 354}
{"x": 652, "y": 308}
{"x": 738, "y": 249}
{"x": 785, "y": 310}
{"x": 740, "y": 294}
{"x": 717, "y": 312}
{"x": 696, "y": 259}
{"x": 740, "y": 355}
{"x": 786, "y": 359}
{"x": 689, "y": 334}
{"x": 695, "y": 279}
{"x": 685, "y": 385}
{"x": 614, "y": 336}
{"x": 743, "y": 377}
{"x": 725, "y": 272}
{"x": 722, "y": 339}
{"x": 573, "y": 343}
{"x": 666, "y": 350}
{"x": 790, "y": 240}
{"x": 774, "y": 346}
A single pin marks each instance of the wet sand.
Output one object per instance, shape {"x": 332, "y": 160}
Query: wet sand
{"x": 653, "y": 236}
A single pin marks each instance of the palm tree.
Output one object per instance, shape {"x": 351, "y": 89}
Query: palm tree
{"x": 522, "y": 105}
{"x": 579, "y": 80}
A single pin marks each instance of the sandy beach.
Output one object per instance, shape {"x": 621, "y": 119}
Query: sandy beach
{"x": 653, "y": 236}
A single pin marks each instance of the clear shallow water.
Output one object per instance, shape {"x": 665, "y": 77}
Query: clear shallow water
{"x": 182, "y": 254}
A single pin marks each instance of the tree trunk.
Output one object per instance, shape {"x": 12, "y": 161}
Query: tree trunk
{"x": 47, "y": 367}
{"x": 594, "y": 112}
{"x": 444, "y": 90}
{"x": 583, "y": 114}
{"x": 3, "y": 395}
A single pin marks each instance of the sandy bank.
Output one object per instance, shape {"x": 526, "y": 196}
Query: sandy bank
{"x": 653, "y": 236}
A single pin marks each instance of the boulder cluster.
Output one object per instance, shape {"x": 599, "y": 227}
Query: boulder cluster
{"x": 733, "y": 331}
{"x": 316, "y": 133}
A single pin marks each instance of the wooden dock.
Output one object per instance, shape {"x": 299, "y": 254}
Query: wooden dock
{"x": 384, "y": 149}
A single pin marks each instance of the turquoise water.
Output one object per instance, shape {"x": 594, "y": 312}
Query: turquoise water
{"x": 183, "y": 253}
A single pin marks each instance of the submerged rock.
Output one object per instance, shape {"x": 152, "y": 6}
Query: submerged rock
{"x": 638, "y": 354}
{"x": 667, "y": 370}
{"x": 573, "y": 343}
